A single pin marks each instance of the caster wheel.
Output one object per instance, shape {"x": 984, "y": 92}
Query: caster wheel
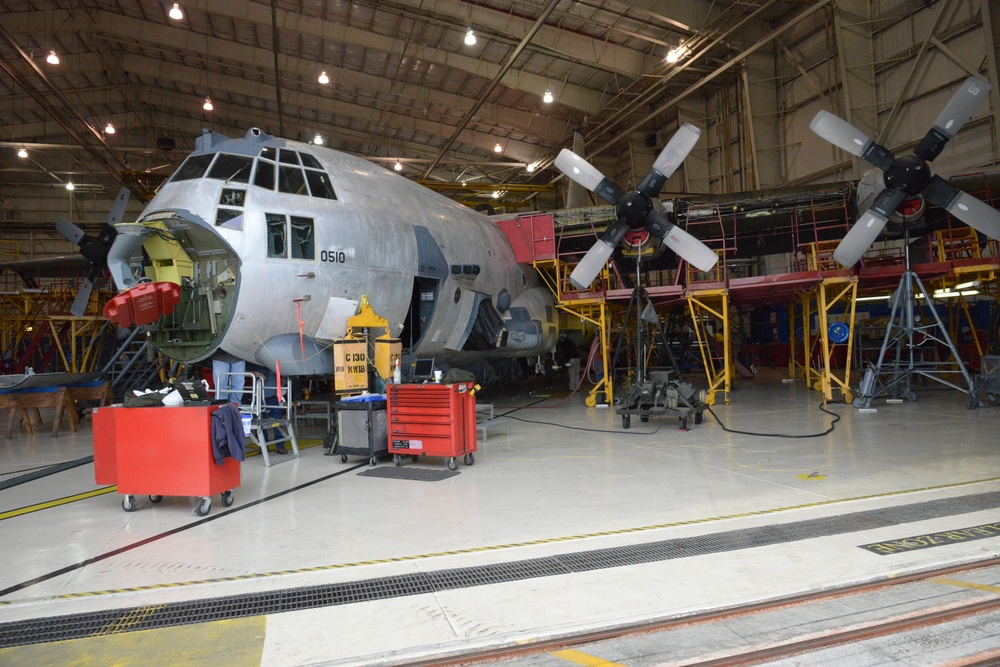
{"x": 910, "y": 397}
{"x": 452, "y": 464}
{"x": 626, "y": 421}
{"x": 994, "y": 399}
{"x": 469, "y": 459}
{"x": 155, "y": 499}
{"x": 204, "y": 507}
{"x": 129, "y": 504}
{"x": 590, "y": 401}
{"x": 973, "y": 402}
{"x": 397, "y": 459}
{"x": 699, "y": 417}
{"x": 644, "y": 418}
{"x": 227, "y": 498}
{"x": 343, "y": 458}
{"x": 373, "y": 461}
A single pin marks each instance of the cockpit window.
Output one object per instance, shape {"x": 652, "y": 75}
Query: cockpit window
{"x": 320, "y": 184}
{"x": 290, "y": 237}
{"x": 310, "y": 161}
{"x": 290, "y": 180}
{"x": 231, "y": 168}
{"x": 264, "y": 178}
{"x": 193, "y": 167}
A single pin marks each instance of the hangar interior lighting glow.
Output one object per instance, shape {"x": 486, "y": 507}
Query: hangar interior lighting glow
{"x": 109, "y": 128}
{"x": 470, "y": 38}
{"x": 323, "y": 78}
{"x": 175, "y": 12}
{"x": 21, "y": 152}
{"x": 398, "y": 166}
{"x": 498, "y": 148}
{"x": 208, "y": 106}
{"x": 547, "y": 97}
{"x": 52, "y": 58}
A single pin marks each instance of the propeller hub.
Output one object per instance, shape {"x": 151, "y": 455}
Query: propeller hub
{"x": 909, "y": 174}
{"x": 632, "y": 209}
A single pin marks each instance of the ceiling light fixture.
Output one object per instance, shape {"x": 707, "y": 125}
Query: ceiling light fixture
{"x": 176, "y": 13}
{"x": 470, "y": 38}
{"x": 70, "y": 186}
{"x": 530, "y": 168}
{"x": 318, "y": 139}
{"x": 52, "y": 58}
{"x": 323, "y": 78}
{"x": 498, "y": 148}
{"x": 496, "y": 194}
{"x": 676, "y": 54}
{"x": 109, "y": 128}
{"x": 21, "y": 152}
{"x": 397, "y": 166}
{"x": 547, "y": 97}
{"x": 208, "y": 106}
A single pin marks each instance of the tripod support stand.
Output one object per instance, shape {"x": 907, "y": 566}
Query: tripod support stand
{"x": 905, "y": 335}
{"x": 653, "y": 393}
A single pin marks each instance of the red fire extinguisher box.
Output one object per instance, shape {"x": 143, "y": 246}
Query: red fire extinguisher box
{"x": 165, "y": 451}
{"x": 432, "y": 420}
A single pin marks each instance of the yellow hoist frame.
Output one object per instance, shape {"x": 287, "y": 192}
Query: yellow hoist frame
{"x": 712, "y": 306}
{"x": 830, "y": 293}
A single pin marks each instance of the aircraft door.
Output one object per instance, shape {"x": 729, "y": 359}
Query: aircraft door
{"x": 418, "y": 317}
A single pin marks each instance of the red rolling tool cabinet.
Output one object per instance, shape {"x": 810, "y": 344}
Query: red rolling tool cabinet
{"x": 432, "y": 420}
{"x": 161, "y": 451}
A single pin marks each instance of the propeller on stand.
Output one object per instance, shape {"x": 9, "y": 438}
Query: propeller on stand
{"x": 909, "y": 176}
{"x": 636, "y": 209}
{"x": 94, "y": 249}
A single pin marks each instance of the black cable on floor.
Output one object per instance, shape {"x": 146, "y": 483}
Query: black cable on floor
{"x": 589, "y": 430}
{"x": 44, "y": 472}
{"x": 836, "y": 418}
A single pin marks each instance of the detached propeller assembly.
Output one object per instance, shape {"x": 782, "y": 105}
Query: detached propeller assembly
{"x": 909, "y": 176}
{"x": 95, "y": 250}
{"x": 636, "y": 209}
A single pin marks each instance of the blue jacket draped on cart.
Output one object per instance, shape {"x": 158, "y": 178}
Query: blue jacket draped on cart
{"x": 227, "y": 434}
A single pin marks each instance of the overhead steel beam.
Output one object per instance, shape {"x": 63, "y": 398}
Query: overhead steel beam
{"x": 512, "y": 56}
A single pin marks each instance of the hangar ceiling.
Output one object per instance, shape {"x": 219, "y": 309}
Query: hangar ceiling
{"x": 403, "y": 84}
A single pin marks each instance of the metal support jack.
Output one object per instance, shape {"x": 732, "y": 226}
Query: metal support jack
{"x": 905, "y": 334}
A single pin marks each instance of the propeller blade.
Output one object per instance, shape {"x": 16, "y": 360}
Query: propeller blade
{"x": 840, "y": 133}
{"x": 669, "y": 159}
{"x": 961, "y": 106}
{"x": 686, "y": 246}
{"x": 118, "y": 208}
{"x": 590, "y": 266}
{"x": 976, "y": 214}
{"x": 860, "y": 237}
{"x": 953, "y": 117}
{"x": 677, "y": 149}
{"x": 845, "y": 136}
{"x": 70, "y": 232}
{"x": 587, "y": 175}
{"x": 82, "y": 299}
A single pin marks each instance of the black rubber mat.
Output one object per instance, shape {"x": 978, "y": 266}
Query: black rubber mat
{"x": 149, "y": 617}
{"x": 404, "y": 472}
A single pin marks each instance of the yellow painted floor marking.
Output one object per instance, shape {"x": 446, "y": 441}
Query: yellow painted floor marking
{"x": 532, "y": 543}
{"x": 967, "y": 584}
{"x": 59, "y": 501}
{"x": 578, "y": 658}
{"x": 229, "y": 643}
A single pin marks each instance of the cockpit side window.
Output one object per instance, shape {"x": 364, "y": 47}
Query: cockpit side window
{"x": 319, "y": 183}
{"x": 232, "y": 168}
{"x": 290, "y": 180}
{"x": 310, "y": 161}
{"x": 290, "y": 237}
{"x": 264, "y": 178}
{"x": 286, "y": 156}
{"x": 193, "y": 167}
{"x": 276, "y": 246}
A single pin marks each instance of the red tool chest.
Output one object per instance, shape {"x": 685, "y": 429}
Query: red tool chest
{"x": 161, "y": 451}
{"x": 432, "y": 420}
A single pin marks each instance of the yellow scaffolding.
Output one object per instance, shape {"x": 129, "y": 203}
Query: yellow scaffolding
{"x": 829, "y": 294}
{"x": 712, "y": 306}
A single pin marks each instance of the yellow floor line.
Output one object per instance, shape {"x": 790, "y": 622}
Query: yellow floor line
{"x": 516, "y": 545}
{"x": 10, "y": 514}
{"x": 578, "y": 658}
{"x": 967, "y": 584}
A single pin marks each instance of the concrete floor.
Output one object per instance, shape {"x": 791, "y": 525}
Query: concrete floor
{"x": 567, "y": 480}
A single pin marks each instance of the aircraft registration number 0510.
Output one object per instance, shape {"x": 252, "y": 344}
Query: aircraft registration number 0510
{"x": 333, "y": 256}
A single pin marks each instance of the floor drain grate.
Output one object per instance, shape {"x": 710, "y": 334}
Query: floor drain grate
{"x": 149, "y": 617}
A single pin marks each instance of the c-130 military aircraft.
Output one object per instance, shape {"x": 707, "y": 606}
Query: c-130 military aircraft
{"x": 274, "y": 243}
